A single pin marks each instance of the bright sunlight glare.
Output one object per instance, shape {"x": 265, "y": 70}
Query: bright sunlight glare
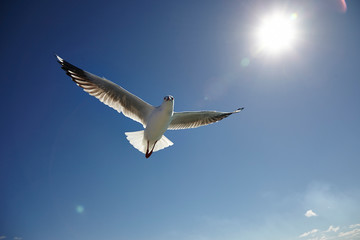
{"x": 277, "y": 33}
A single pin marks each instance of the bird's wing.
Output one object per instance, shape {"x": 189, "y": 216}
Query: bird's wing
{"x": 183, "y": 120}
{"x": 109, "y": 93}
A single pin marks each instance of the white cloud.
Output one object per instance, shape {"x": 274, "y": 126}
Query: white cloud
{"x": 354, "y": 225}
{"x": 310, "y": 213}
{"x": 332, "y": 229}
{"x": 352, "y": 233}
{"x": 2, "y": 237}
{"x": 308, "y": 233}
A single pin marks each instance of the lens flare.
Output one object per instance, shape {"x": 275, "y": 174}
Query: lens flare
{"x": 343, "y": 5}
{"x": 245, "y": 62}
{"x": 79, "y": 209}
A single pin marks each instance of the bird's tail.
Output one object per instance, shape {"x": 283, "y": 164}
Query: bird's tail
{"x": 138, "y": 141}
{"x": 164, "y": 142}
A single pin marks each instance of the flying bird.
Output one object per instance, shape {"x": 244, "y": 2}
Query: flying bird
{"x": 155, "y": 120}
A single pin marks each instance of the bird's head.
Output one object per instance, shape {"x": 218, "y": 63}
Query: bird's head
{"x": 168, "y": 103}
{"x": 168, "y": 98}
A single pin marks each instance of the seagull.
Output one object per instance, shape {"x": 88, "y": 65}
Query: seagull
{"x": 155, "y": 120}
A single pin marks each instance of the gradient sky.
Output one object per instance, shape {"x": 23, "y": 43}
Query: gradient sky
{"x": 285, "y": 168}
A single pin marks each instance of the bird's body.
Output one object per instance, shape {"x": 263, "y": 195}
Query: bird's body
{"x": 155, "y": 120}
{"x": 159, "y": 120}
{"x": 156, "y": 124}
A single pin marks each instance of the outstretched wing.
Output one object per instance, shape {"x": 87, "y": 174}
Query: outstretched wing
{"x": 109, "y": 93}
{"x": 183, "y": 120}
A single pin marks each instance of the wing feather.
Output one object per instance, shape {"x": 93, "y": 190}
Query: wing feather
{"x": 109, "y": 93}
{"x": 184, "y": 120}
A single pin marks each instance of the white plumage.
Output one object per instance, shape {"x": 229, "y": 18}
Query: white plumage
{"x": 155, "y": 120}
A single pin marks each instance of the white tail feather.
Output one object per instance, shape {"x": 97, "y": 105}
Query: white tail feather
{"x": 138, "y": 141}
{"x": 162, "y": 143}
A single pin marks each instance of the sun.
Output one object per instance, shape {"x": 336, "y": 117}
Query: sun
{"x": 276, "y": 33}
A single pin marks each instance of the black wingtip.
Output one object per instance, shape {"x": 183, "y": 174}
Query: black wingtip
{"x": 239, "y": 109}
{"x": 67, "y": 67}
{"x": 59, "y": 59}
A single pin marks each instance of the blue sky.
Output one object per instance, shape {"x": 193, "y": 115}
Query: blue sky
{"x": 285, "y": 168}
